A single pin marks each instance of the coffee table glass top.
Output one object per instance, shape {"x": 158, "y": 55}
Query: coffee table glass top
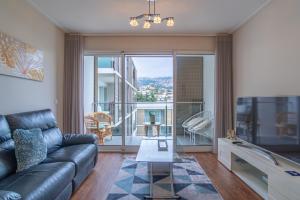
{"x": 149, "y": 152}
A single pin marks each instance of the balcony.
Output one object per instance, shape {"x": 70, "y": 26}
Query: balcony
{"x": 148, "y": 94}
{"x": 151, "y": 119}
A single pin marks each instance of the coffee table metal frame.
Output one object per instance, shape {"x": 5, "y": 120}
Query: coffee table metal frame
{"x": 151, "y": 195}
{"x": 150, "y": 154}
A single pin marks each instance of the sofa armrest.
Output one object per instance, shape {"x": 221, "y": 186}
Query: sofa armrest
{"x": 73, "y": 139}
{"x": 9, "y": 195}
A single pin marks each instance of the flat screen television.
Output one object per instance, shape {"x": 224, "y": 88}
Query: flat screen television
{"x": 272, "y": 123}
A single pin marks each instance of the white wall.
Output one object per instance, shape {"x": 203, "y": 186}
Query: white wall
{"x": 267, "y": 52}
{"x": 20, "y": 20}
{"x": 149, "y": 43}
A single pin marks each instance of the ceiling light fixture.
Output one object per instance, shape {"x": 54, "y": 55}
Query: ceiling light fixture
{"x": 133, "y": 21}
{"x": 151, "y": 17}
{"x": 170, "y": 21}
{"x": 147, "y": 24}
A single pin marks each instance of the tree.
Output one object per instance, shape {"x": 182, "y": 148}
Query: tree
{"x": 148, "y": 97}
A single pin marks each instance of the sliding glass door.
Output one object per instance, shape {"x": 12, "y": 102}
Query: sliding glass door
{"x": 148, "y": 97}
{"x": 194, "y": 102}
{"x": 151, "y": 96}
{"x": 103, "y": 96}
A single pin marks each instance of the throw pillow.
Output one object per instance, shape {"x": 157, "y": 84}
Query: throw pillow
{"x": 9, "y": 195}
{"x": 30, "y": 148}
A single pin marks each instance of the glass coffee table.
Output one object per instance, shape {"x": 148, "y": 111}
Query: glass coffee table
{"x": 159, "y": 161}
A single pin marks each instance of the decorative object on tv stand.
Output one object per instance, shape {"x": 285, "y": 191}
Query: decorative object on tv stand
{"x": 151, "y": 17}
{"x": 231, "y": 135}
{"x": 20, "y": 59}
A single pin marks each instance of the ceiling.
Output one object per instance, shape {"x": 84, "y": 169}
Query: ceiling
{"x": 201, "y": 17}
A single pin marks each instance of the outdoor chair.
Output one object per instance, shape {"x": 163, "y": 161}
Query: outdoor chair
{"x": 203, "y": 128}
{"x": 100, "y": 124}
{"x": 104, "y": 122}
{"x": 192, "y": 121}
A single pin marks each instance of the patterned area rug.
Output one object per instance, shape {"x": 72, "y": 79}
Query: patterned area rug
{"x": 190, "y": 182}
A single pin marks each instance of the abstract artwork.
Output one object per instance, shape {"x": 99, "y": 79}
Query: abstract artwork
{"x": 20, "y": 59}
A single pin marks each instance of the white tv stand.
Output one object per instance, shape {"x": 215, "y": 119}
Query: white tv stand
{"x": 260, "y": 172}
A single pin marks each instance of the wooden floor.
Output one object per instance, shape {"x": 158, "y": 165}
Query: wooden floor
{"x": 99, "y": 182}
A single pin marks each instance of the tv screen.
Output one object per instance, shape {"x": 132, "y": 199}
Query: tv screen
{"x": 272, "y": 123}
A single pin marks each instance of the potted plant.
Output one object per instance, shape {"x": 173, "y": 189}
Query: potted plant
{"x": 152, "y": 117}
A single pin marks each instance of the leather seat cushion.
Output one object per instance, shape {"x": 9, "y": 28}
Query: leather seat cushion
{"x": 43, "y": 119}
{"x": 80, "y": 155}
{"x": 41, "y": 182}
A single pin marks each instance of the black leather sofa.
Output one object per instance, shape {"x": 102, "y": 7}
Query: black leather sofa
{"x": 71, "y": 157}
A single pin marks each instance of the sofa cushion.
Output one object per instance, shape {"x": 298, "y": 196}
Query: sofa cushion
{"x": 4, "y": 130}
{"x": 78, "y": 154}
{"x": 8, "y": 163}
{"x": 41, "y": 182}
{"x": 30, "y": 148}
{"x": 53, "y": 138}
{"x": 43, "y": 119}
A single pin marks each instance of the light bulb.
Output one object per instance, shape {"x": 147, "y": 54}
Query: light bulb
{"x": 147, "y": 24}
{"x": 133, "y": 22}
{"x": 157, "y": 19}
{"x": 170, "y": 21}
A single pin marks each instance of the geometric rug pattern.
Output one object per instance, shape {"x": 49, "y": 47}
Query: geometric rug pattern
{"x": 189, "y": 182}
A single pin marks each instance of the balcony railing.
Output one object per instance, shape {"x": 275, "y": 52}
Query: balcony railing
{"x": 138, "y": 113}
{"x": 140, "y": 123}
{"x": 137, "y": 116}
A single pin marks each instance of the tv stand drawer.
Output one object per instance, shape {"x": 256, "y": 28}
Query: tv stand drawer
{"x": 224, "y": 154}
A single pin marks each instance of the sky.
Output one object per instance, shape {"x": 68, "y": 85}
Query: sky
{"x": 153, "y": 66}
